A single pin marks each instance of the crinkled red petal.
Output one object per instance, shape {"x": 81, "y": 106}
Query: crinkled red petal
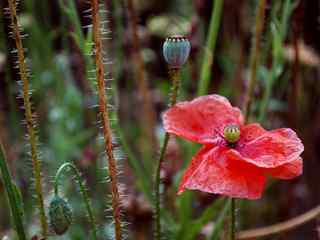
{"x": 288, "y": 170}
{"x": 202, "y": 119}
{"x": 250, "y": 132}
{"x": 217, "y": 170}
{"x": 272, "y": 149}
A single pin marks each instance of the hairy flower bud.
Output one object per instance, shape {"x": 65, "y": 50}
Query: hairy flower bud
{"x": 176, "y": 50}
{"x": 231, "y": 133}
{"x": 60, "y": 215}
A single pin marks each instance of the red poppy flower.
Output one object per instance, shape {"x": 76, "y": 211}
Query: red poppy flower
{"x": 235, "y": 158}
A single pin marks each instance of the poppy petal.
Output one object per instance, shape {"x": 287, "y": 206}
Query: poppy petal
{"x": 273, "y": 148}
{"x": 218, "y": 170}
{"x": 287, "y": 171}
{"x": 202, "y": 119}
{"x": 250, "y": 132}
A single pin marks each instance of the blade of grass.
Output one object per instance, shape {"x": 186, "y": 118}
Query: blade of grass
{"x": 184, "y": 213}
{"x": 14, "y": 201}
{"x": 209, "y": 51}
{"x": 278, "y": 36}
{"x": 219, "y": 223}
{"x": 194, "y": 228}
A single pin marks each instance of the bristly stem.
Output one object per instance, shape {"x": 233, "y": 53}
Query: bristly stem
{"x": 12, "y": 196}
{"x": 29, "y": 119}
{"x": 209, "y": 50}
{"x": 105, "y": 120}
{"x": 175, "y": 78}
{"x": 254, "y": 58}
{"x": 83, "y": 192}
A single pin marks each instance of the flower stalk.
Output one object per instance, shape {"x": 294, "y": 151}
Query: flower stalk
{"x": 233, "y": 219}
{"x": 176, "y": 50}
{"x": 254, "y": 59}
{"x": 83, "y": 191}
{"x": 174, "y": 75}
{"x": 105, "y": 120}
{"x": 14, "y": 202}
{"x": 29, "y": 118}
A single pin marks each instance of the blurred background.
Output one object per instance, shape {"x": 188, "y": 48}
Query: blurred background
{"x": 57, "y": 40}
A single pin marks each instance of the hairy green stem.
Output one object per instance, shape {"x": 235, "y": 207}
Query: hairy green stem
{"x": 12, "y": 196}
{"x": 116, "y": 210}
{"x": 83, "y": 192}
{"x": 209, "y": 50}
{"x": 175, "y": 78}
{"x": 29, "y": 119}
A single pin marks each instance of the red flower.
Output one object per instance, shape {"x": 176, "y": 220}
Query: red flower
{"x": 235, "y": 158}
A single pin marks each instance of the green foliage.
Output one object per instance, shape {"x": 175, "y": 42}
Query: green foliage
{"x": 14, "y": 196}
{"x": 278, "y": 31}
{"x": 210, "y": 47}
{"x": 60, "y": 53}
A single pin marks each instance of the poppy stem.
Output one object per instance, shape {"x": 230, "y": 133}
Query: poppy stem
{"x": 103, "y": 103}
{"x": 175, "y": 78}
{"x": 254, "y": 58}
{"x": 83, "y": 192}
{"x": 30, "y": 122}
{"x": 233, "y": 219}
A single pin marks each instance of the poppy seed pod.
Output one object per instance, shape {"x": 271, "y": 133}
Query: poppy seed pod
{"x": 60, "y": 215}
{"x": 231, "y": 133}
{"x": 176, "y": 50}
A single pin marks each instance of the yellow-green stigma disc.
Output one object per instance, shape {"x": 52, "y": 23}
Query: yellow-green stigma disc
{"x": 231, "y": 133}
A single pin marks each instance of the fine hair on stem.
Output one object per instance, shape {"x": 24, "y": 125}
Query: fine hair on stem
{"x": 32, "y": 136}
{"x": 112, "y": 166}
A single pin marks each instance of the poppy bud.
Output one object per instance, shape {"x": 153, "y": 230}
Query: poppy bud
{"x": 176, "y": 50}
{"x": 60, "y": 215}
{"x": 231, "y": 133}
